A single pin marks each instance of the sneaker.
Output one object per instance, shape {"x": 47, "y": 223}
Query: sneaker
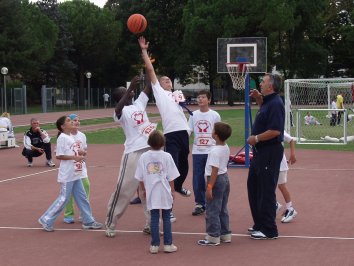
{"x": 172, "y": 218}
{"x": 205, "y": 242}
{"x": 69, "y": 220}
{"x": 110, "y": 232}
{"x": 93, "y": 225}
{"x": 289, "y": 215}
{"x": 50, "y": 163}
{"x": 251, "y": 230}
{"x": 169, "y": 248}
{"x": 45, "y": 226}
{"x": 225, "y": 238}
{"x": 199, "y": 209}
{"x": 259, "y": 235}
{"x": 278, "y": 207}
{"x": 137, "y": 200}
{"x": 185, "y": 192}
{"x": 29, "y": 164}
{"x": 147, "y": 230}
{"x": 154, "y": 249}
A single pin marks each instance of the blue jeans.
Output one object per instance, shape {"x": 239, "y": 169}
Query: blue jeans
{"x": 199, "y": 162}
{"x": 167, "y": 229}
{"x": 67, "y": 189}
{"x": 217, "y": 215}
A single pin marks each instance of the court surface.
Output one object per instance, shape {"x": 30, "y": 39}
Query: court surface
{"x": 321, "y": 184}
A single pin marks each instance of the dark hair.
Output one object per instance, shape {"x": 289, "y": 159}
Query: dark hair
{"x": 156, "y": 140}
{"x": 207, "y": 93}
{"x": 118, "y": 93}
{"x": 61, "y": 121}
{"x": 222, "y": 130}
{"x": 275, "y": 80}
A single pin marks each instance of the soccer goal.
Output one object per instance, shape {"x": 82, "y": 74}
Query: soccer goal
{"x": 306, "y": 98}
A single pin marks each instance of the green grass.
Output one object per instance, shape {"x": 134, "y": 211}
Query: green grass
{"x": 233, "y": 117}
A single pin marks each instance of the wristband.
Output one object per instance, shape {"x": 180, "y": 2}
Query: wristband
{"x": 256, "y": 137}
{"x": 210, "y": 186}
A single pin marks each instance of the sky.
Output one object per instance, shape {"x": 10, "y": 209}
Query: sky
{"x": 99, "y": 3}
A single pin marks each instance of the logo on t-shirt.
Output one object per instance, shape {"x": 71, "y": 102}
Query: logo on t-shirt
{"x": 154, "y": 168}
{"x": 138, "y": 117}
{"x": 203, "y": 126}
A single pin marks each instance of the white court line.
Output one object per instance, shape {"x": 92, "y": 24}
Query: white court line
{"x": 321, "y": 169}
{"x": 176, "y": 233}
{"x": 43, "y": 172}
{"x": 24, "y": 176}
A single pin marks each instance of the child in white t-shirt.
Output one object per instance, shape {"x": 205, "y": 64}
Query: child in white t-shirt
{"x": 174, "y": 122}
{"x": 218, "y": 189}
{"x": 156, "y": 171}
{"x": 201, "y": 123}
{"x": 69, "y": 177}
{"x": 290, "y": 213}
{"x": 81, "y": 143}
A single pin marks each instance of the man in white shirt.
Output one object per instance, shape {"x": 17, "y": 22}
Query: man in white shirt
{"x": 105, "y": 99}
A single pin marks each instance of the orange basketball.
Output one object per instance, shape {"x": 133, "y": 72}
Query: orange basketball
{"x": 137, "y": 23}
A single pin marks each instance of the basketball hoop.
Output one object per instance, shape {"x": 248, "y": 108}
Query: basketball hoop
{"x": 238, "y": 71}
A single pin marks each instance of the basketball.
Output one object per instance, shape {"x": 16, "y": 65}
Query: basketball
{"x": 137, "y": 23}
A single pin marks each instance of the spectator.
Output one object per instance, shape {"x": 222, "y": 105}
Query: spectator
{"x": 311, "y": 120}
{"x": 105, "y": 99}
{"x": 36, "y": 141}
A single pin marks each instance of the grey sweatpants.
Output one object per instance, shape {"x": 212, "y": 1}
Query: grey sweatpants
{"x": 125, "y": 190}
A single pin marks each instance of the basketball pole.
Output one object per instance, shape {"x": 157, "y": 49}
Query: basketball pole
{"x": 248, "y": 119}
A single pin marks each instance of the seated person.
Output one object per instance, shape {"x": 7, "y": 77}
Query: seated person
{"x": 6, "y": 125}
{"x": 311, "y": 120}
{"x": 37, "y": 142}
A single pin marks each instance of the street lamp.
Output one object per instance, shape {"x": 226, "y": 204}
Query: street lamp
{"x": 4, "y": 71}
{"x": 88, "y": 76}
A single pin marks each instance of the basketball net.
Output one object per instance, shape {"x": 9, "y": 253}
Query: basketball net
{"x": 237, "y": 72}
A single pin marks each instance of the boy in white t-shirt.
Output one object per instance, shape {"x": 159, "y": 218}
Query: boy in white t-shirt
{"x": 218, "y": 189}
{"x": 290, "y": 213}
{"x": 137, "y": 128}
{"x": 81, "y": 144}
{"x": 202, "y": 124}
{"x": 156, "y": 171}
{"x": 174, "y": 122}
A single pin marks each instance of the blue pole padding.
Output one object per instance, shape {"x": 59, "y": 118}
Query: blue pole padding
{"x": 247, "y": 119}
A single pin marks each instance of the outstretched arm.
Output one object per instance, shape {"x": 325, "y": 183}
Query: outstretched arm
{"x": 121, "y": 103}
{"x": 144, "y": 45}
{"x": 147, "y": 88}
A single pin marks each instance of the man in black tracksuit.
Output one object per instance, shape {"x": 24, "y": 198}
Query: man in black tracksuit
{"x": 36, "y": 142}
{"x": 266, "y": 138}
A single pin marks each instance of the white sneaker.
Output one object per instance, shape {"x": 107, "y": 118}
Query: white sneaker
{"x": 278, "y": 207}
{"x": 110, "y": 232}
{"x": 154, "y": 249}
{"x": 169, "y": 248}
{"x": 288, "y": 215}
{"x": 172, "y": 218}
{"x": 50, "y": 163}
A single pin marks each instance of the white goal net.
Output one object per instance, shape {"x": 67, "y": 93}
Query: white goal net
{"x": 306, "y": 98}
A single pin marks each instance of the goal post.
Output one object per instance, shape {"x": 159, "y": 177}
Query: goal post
{"x": 315, "y": 96}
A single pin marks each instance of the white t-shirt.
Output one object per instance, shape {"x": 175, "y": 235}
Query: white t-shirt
{"x": 81, "y": 144}
{"x": 334, "y": 106}
{"x": 284, "y": 165}
{"x": 106, "y": 97}
{"x": 6, "y": 125}
{"x": 202, "y": 125}
{"x": 173, "y": 118}
{"x": 135, "y": 124}
{"x": 218, "y": 157}
{"x": 69, "y": 170}
{"x": 156, "y": 169}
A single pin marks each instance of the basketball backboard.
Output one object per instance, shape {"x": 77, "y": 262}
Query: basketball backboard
{"x": 253, "y": 48}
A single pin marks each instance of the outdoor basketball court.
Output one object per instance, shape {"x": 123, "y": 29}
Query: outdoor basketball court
{"x": 320, "y": 182}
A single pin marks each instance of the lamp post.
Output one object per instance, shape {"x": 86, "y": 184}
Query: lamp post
{"x": 4, "y": 71}
{"x": 88, "y": 76}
